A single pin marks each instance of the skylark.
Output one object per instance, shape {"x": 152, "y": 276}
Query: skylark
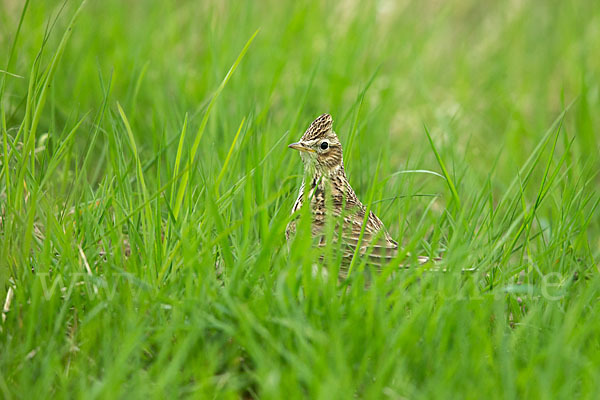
{"x": 331, "y": 196}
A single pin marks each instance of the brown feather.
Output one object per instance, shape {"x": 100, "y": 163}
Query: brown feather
{"x": 331, "y": 196}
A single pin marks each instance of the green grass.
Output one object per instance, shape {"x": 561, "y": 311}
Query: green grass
{"x": 145, "y": 186}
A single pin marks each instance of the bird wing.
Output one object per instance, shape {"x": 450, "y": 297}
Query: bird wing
{"x": 375, "y": 242}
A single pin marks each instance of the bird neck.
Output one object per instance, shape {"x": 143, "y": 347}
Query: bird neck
{"x": 319, "y": 176}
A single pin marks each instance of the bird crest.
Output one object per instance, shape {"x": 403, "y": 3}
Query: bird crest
{"x": 319, "y": 127}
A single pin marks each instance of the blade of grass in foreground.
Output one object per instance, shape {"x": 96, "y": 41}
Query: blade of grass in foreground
{"x": 178, "y": 156}
{"x": 184, "y": 179}
{"x": 12, "y": 53}
{"x": 224, "y": 168}
{"x": 148, "y": 220}
{"x": 48, "y": 79}
{"x": 35, "y": 105}
{"x": 444, "y": 170}
{"x": 364, "y": 224}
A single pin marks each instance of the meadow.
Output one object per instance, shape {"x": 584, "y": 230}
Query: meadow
{"x": 146, "y": 183}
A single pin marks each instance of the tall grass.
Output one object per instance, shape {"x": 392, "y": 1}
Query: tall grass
{"x": 145, "y": 187}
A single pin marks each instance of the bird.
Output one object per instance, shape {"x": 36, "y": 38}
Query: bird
{"x": 331, "y": 196}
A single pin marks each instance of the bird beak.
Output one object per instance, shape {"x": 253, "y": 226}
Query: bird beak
{"x": 301, "y": 147}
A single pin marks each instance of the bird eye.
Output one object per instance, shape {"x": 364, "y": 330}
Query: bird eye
{"x": 324, "y": 145}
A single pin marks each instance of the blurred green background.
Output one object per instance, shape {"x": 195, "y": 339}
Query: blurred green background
{"x": 206, "y": 300}
{"x": 488, "y": 75}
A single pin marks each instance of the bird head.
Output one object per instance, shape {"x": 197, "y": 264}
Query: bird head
{"x": 320, "y": 147}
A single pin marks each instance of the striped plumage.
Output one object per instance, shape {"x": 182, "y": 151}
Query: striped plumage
{"x": 321, "y": 153}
